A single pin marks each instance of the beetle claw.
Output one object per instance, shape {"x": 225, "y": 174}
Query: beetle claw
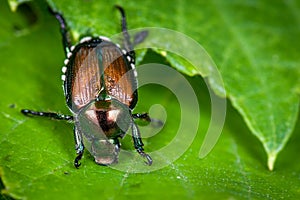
{"x": 76, "y": 161}
{"x": 77, "y": 164}
{"x": 147, "y": 157}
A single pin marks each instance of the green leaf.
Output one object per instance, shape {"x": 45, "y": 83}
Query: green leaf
{"x": 261, "y": 69}
{"x": 36, "y": 155}
{"x": 15, "y": 3}
{"x": 256, "y": 54}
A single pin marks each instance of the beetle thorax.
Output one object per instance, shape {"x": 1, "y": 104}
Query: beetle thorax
{"x": 110, "y": 116}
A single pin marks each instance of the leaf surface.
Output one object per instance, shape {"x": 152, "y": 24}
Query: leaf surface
{"x": 256, "y": 55}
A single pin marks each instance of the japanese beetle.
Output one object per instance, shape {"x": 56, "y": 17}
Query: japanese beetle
{"x": 99, "y": 82}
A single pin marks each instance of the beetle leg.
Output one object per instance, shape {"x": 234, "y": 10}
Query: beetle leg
{"x": 79, "y": 147}
{"x": 47, "y": 114}
{"x": 146, "y": 117}
{"x": 143, "y": 116}
{"x": 63, "y": 29}
{"x": 139, "y": 37}
{"x": 127, "y": 43}
{"x": 117, "y": 143}
{"x": 138, "y": 143}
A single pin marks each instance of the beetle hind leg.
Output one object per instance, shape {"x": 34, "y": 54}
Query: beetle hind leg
{"x": 138, "y": 144}
{"x": 63, "y": 29}
{"x": 140, "y": 37}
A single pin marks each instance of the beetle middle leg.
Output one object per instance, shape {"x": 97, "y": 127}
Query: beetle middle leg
{"x": 51, "y": 115}
{"x": 147, "y": 118}
{"x": 138, "y": 143}
{"x": 143, "y": 116}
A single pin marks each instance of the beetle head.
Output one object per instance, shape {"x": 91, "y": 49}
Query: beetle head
{"x": 100, "y": 123}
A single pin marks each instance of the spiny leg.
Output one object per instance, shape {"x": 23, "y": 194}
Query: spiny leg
{"x": 63, "y": 29}
{"x": 138, "y": 143}
{"x": 143, "y": 116}
{"x": 117, "y": 143}
{"x": 138, "y": 38}
{"x": 47, "y": 114}
{"x": 127, "y": 44}
{"x": 146, "y": 117}
{"x": 79, "y": 147}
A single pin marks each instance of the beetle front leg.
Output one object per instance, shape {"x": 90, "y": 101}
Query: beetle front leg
{"x": 138, "y": 143}
{"x": 79, "y": 147}
{"x": 117, "y": 143}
